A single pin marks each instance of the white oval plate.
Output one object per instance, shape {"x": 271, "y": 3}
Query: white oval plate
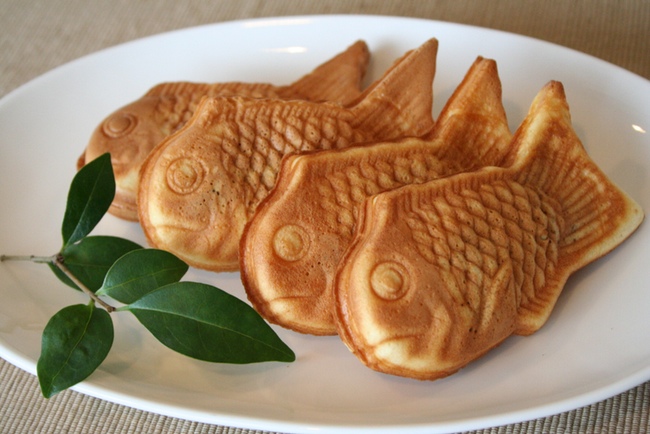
{"x": 594, "y": 346}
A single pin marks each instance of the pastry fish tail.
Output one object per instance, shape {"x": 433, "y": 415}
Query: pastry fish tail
{"x": 472, "y": 127}
{"x": 338, "y": 79}
{"x": 596, "y": 215}
{"x": 400, "y": 103}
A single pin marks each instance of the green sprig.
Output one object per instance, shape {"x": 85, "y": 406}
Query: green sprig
{"x": 194, "y": 319}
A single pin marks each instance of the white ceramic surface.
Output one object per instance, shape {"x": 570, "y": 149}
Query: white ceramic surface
{"x": 596, "y": 344}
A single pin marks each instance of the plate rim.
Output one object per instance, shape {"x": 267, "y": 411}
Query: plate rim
{"x": 23, "y": 362}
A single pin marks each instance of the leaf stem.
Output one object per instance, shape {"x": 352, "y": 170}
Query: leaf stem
{"x": 33, "y": 258}
{"x": 58, "y": 261}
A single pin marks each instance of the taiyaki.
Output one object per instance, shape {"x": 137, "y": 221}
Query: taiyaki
{"x": 293, "y": 243}
{"x": 439, "y": 273}
{"x": 200, "y": 186}
{"x": 131, "y": 132}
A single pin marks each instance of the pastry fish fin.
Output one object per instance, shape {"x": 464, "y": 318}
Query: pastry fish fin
{"x": 593, "y": 214}
{"x": 177, "y": 88}
{"x": 400, "y": 103}
{"x": 499, "y": 304}
{"x": 338, "y": 79}
{"x": 473, "y": 123}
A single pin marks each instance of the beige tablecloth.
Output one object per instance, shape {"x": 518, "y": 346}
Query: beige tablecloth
{"x": 37, "y": 35}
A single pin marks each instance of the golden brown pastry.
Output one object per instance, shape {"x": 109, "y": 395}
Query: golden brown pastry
{"x": 295, "y": 240}
{"x": 199, "y": 187}
{"x": 131, "y": 132}
{"x": 439, "y": 273}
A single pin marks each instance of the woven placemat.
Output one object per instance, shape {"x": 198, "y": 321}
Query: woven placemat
{"x": 38, "y": 36}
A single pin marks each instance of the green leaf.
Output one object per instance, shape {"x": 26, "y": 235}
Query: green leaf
{"x": 91, "y": 192}
{"x": 206, "y": 323}
{"x": 75, "y": 342}
{"x": 91, "y": 258}
{"x": 140, "y": 272}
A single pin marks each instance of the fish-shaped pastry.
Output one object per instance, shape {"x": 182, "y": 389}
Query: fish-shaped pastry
{"x": 294, "y": 242}
{"x": 200, "y": 186}
{"x": 441, "y": 272}
{"x": 131, "y": 132}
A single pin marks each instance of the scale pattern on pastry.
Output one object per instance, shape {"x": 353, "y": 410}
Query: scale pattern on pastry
{"x": 292, "y": 245}
{"x": 439, "y": 273}
{"x": 131, "y": 132}
{"x": 200, "y": 186}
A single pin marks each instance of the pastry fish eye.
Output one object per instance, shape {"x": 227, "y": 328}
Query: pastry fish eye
{"x": 389, "y": 280}
{"x": 119, "y": 124}
{"x": 184, "y": 175}
{"x": 291, "y": 242}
